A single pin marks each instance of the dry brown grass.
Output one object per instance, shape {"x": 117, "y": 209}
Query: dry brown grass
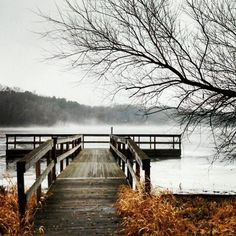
{"x": 9, "y": 214}
{"x": 163, "y": 213}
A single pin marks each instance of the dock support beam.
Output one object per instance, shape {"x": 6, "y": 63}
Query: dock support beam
{"x": 21, "y": 187}
{"x": 146, "y": 168}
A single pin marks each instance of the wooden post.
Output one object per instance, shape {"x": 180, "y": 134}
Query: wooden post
{"x": 130, "y": 176}
{"x": 111, "y": 129}
{"x": 82, "y": 141}
{"x": 123, "y": 166}
{"x": 173, "y": 142}
{"x": 54, "y": 157}
{"x": 34, "y": 142}
{"x": 73, "y": 154}
{"x": 14, "y": 142}
{"x": 67, "y": 158}
{"x": 49, "y": 158}
{"x": 147, "y": 183}
{"x": 38, "y": 172}
{"x": 6, "y": 142}
{"x": 119, "y": 149}
{"x": 137, "y": 171}
{"x": 123, "y": 146}
{"x": 20, "y": 166}
{"x": 78, "y": 142}
{"x": 61, "y": 162}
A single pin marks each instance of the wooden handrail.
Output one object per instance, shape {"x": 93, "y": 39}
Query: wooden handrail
{"x": 68, "y": 153}
{"x": 68, "y": 139}
{"x": 46, "y": 149}
{"x": 120, "y": 139}
{"x": 155, "y": 141}
{"x": 139, "y": 155}
{"x": 31, "y": 158}
{"x": 121, "y": 155}
{"x": 133, "y": 154}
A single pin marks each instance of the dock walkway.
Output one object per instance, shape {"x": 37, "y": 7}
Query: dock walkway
{"x": 81, "y": 200}
{"x": 83, "y": 182}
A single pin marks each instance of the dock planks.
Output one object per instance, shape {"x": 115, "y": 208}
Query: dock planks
{"x": 82, "y": 198}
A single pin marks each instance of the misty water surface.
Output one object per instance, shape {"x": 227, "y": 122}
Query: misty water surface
{"x": 193, "y": 173}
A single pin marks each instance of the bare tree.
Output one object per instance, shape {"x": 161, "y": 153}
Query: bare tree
{"x": 168, "y": 55}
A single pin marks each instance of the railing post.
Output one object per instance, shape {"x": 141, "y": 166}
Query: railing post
{"x": 82, "y": 141}
{"x": 73, "y": 154}
{"x": 34, "y": 145}
{"x": 67, "y": 158}
{"x": 21, "y": 188}
{"x": 130, "y": 176}
{"x": 38, "y": 172}
{"x": 147, "y": 183}
{"x": 137, "y": 169}
{"x": 77, "y": 142}
{"x": 123, "y": 152}
{"x": 119, "y": 149}
{"x": 49, "y": 158}
{"x": 123, "y": 166}
{"x": 54, "y": 157}
{"x": 61, "y": 162}
{"x": 6, "y": 142}
{"x": 111, "y": 143}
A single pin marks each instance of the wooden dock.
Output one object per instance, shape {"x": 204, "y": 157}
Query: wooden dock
{"x": 82, "y": 182}
{"x": 82, "y": 198}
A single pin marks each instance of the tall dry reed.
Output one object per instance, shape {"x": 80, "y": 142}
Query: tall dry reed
{"x": 164, "y": 214}
{"x": 9, "y": 215}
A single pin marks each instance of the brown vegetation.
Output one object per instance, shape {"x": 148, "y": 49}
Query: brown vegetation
{"x": 163, "y": 213}
{"x": 9, "y": 214}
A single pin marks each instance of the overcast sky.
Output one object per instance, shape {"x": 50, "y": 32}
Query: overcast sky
{"x": 22, "y": 57}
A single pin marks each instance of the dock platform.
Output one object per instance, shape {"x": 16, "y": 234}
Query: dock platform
{"x": 83, "y": 181}
{"x": 81, "y": 200}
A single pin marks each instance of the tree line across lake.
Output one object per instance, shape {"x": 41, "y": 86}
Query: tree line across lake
{"x": 22, "y": 108}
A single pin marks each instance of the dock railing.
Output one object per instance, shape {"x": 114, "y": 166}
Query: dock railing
{"x": 17, "y": 145}
{"x": 29, "y": 141}
{"x": 48, "y": 150}
{"x": 127, "y": 153}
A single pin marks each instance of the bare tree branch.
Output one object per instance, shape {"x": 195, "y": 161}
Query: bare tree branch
{"x": 144, "y": 46}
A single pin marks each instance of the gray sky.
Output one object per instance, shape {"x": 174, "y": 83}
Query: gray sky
{"x": 22, "y": 55}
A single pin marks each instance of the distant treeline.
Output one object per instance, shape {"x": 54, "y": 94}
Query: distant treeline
{"x": 21, "y": 108}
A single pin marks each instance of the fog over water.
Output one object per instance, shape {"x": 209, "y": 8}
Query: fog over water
{"x": 193, "y": 173}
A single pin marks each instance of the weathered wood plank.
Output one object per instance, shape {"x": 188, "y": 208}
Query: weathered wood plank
{"x": 36, "y": 154}
{"x": 93, "y": 163}
{"x": 82, "y": 198}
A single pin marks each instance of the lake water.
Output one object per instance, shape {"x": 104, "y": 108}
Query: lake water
{"x": 193, "y": 173}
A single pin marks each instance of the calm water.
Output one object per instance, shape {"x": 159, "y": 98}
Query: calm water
{"x": 193, "y": 173}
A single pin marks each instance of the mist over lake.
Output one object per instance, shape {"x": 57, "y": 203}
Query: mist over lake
{"x": 194, "y": 172}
